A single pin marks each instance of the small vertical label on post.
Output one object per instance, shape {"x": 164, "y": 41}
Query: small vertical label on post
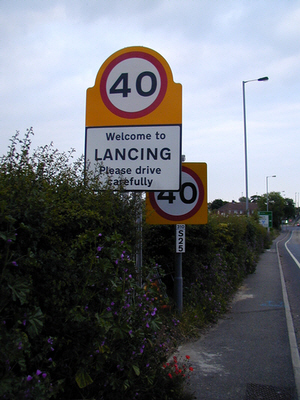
{"x": 180, "y": 238}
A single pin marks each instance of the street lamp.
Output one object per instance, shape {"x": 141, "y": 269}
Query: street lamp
{"x": 270, "y": 176}
{"x": 265, "y": 78}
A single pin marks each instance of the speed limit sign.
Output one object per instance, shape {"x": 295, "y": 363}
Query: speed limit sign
{"x": 187, "y": 206}
{"x": 134, "y": 86}
{"x": 133, "y": 130}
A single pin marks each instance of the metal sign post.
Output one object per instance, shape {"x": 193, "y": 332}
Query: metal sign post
{"x": 180, "y": 248}
{"x": 188, "y": 206}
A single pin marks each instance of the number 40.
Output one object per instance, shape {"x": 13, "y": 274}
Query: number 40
{"x": 121, "y": 84}
{"x": 171, "y": 196}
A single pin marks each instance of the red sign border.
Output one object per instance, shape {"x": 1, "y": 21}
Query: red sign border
{"x": 190, "y": 213}
{"x": 157, "y": 101}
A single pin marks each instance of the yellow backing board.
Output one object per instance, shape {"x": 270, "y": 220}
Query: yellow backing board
{"x": 164, "y": 208}
{"x": 169, "y": 109}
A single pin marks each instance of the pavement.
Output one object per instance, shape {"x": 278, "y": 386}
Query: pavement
{"x": 248, "y": 354}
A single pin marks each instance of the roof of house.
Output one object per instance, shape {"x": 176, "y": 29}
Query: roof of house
{"x": 236, "y": 208}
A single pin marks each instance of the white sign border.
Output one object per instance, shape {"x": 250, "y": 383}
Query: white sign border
{"x": 132, "y": 188}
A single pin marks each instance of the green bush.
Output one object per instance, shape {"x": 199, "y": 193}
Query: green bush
{"x": 218, "y": 256}
{"x": 75, "y": 323}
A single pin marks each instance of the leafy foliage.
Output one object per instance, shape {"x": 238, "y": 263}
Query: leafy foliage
{"x": 75, "y": 322}
{"x": 281, "y": 208}
{"x": 289, "y": 208}
{"x": 218, "y": 257}
{"x": 217, "y": 203}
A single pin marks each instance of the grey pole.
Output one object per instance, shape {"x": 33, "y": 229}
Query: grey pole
{"x": 245, "y": 143}
{"x": 139, "y": 240}
{"x": 270, "y": 176}
{"x": 178, "y": 286}
{"x": 267, "y": 193}
{"x": 265, "y": 78}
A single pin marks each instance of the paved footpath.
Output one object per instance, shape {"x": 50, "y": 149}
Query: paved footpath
{"x": 246, "y": 355}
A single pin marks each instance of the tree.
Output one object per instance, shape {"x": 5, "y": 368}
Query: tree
{"x": 255, "y": 198}
{"x": 217, "y": 203}
{"x": 276, "y": 204}
{"x": 289, "y": 208}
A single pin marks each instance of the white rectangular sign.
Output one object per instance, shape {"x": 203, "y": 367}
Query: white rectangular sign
{"x": 139, "y": 158}
{"x": 264, "y": 220}
{"x": 180, "y": 238}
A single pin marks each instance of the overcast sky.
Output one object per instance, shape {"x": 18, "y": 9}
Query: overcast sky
{"x": 51, "y": 52}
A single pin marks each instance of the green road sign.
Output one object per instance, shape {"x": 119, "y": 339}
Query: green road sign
{"x": 266, "y": 218}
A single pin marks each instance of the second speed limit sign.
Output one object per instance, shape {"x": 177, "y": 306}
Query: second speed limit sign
{"x": 188, "y": 206}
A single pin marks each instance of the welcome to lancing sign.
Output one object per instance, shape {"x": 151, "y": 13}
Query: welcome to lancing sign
{"x": 138, "y": 158}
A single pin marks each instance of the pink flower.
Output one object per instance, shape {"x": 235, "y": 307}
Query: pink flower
{"x": 38, "y": 372}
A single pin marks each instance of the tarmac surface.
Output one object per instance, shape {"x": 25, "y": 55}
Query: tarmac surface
{"x": 247, "y": 355}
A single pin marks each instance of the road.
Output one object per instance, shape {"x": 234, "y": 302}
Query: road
{"x": 289, "y": 253}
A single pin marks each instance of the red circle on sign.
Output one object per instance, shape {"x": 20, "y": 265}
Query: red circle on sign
{"x": 156, "y": 102}
{"x": 192, "y": 212}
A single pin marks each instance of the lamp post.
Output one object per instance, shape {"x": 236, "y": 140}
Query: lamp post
{"x": 265, "y": 78}
{"x": 270, "y": 176}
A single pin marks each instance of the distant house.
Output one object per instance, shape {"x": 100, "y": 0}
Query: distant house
{"x": 236, "y": 208}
